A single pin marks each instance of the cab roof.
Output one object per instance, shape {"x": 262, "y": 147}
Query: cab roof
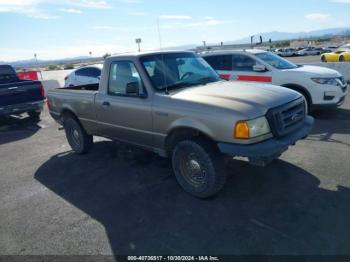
{"x": 156, "y": 52}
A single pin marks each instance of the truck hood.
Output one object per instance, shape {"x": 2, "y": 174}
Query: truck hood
{"x": 315, "y": 71}
{"x": 250, "y": 100}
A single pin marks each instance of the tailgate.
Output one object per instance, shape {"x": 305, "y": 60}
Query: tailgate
{"x": 21, "y": 93}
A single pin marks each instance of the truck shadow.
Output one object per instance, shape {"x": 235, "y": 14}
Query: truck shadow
{"x": 133, "y": 194}
{"x": 15, "y": 128}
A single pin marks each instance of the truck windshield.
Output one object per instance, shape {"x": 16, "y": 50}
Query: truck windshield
{"x": 177, "y": 70}
{"x": 276, "y": 61}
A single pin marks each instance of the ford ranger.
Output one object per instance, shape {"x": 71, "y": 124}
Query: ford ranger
{"x": 175, "y": 104}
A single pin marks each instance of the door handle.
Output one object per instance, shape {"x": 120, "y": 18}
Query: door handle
{"x": 105, "y": 103}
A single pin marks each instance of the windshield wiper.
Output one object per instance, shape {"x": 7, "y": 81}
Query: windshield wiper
{"x": 178, "y": 85}
{"x": 206, "y": 80}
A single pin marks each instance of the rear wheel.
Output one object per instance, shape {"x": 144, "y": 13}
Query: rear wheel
{"x": 199, "y": 167}
{"x": 341, "y": 59}
{"x": 77, "y": 137}
{"x": 34, "y": 114}
{"x": 324, "y": 60}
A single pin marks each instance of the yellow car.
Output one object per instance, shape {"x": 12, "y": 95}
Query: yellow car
{"x": 337, "y": 56}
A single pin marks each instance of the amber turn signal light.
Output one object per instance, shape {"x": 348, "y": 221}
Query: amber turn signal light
{"x": 242, "y": 130}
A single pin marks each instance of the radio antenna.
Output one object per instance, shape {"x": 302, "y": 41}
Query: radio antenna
{"x": 159, "y": 34}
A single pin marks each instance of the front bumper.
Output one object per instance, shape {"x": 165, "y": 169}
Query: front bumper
{"x": 263, "y": 153}
{"x": 21, "y": 108}
{"x": 329, "y": 97}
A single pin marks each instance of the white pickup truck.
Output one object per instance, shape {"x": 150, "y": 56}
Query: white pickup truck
{"x": 321, "y": 87}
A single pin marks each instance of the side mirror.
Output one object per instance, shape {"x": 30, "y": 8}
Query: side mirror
{"x": 259, "y": 68}
{"x": 133, "y": 88}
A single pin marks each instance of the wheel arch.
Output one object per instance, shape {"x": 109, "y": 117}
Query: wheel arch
{"x": 180, "y": 133}
{"x": 301, "y": 90}
{"x": 68, "y": 112}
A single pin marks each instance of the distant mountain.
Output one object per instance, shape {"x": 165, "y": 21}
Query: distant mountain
{"x": 30, "y": 63}
{"x": 278, "y": 36}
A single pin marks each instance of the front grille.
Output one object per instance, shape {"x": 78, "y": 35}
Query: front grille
{"x": 287, "y": 118}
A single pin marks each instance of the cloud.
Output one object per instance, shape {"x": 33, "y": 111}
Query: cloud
{"x": 71, "y": 11}
{"x": 25, "y": 7}
{"x": 202, "y": 24}
{"x": 34, "y": 8}
{"x": 175, "y": 17}
{"x": 318, "y": 17}
{"x": 87, "y": 3}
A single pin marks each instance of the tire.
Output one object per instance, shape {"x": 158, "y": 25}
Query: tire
{"x": 342, "y": 59}
{"x": 77, "y": 137}
{"x": 34, "y": 114}
{"x": 307, "y": 104}
{"x": 199, "y": 167}
{"x": 323, "y": 59}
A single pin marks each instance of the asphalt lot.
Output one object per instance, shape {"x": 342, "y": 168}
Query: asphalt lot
{"x": 305, "y": 59}
{"x": 119, "y": 200}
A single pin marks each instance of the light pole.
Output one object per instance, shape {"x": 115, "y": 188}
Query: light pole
{"x": 37, "y": 65}
{"x": 138, "y": 42}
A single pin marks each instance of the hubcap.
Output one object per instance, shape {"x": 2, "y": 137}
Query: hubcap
{"x": 75, "y": 137}
{"x": 192, "y": 169}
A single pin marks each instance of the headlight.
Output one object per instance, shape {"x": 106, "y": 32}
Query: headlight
{"x": 252, "y": 128}
{"x": 326, "y": 81}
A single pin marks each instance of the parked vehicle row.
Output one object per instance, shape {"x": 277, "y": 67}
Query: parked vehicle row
{"x": 181, "y": 106}
{"x": 175, "y": 104}
{"x": 307, "y": 51}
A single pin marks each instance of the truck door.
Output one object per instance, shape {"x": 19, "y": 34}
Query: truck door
{"x": 122, "y": 112}
{"x": 243, "y": 70}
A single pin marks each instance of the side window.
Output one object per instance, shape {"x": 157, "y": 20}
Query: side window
{"x": 220, "y": 62}
{"x": 88, "y": 72}
{"x": 82, "y": 72}
{"x": 94, "y": 72}
{"x": 243, "y": 63}
{"x": 121, "y": 75}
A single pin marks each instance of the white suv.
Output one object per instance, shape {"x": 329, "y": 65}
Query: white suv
{"x": 321, "y": 87}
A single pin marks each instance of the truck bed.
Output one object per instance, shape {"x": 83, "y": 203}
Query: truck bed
{"x": 91, "y": 87}
{"x": 80, "y": 98}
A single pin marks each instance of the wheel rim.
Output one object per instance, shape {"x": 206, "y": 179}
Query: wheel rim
{"x": 74, "y": 136}
{"x": 192, "y": 169}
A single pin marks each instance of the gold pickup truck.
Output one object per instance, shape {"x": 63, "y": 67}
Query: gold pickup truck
{"x": 175, "y": 104}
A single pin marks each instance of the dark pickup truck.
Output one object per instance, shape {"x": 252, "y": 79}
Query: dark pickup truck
{"x": 19, "y": 96}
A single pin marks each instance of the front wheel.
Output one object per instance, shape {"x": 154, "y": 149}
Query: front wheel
{"x": 324, "y": 60}
{"x": 77, "y": 137}
{"x": 342, "y": 59}
{"x": 199, "y": 167}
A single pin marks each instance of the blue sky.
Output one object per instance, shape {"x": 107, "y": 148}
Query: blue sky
{"x": 69, "y": 28}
